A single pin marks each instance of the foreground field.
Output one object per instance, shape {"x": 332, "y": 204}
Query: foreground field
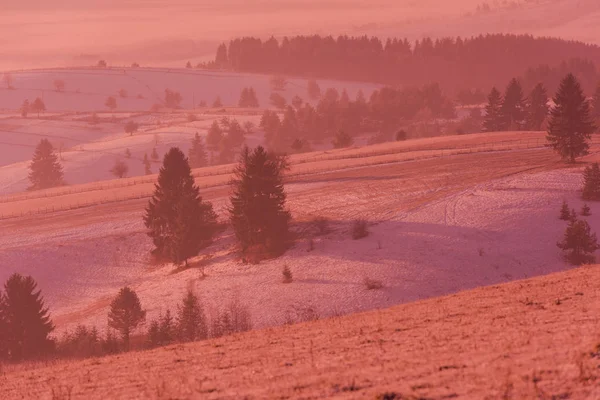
{"x": 531, "y": 339}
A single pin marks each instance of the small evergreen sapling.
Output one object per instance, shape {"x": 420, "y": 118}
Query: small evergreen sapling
{"x": 585, "y": 210}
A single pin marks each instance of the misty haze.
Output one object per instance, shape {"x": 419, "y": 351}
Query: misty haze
{"x": 299, "y": 199}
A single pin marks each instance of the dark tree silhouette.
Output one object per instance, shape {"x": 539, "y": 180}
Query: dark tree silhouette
{"x": 191, "y": 322}
{"x": 221, "y": 60}
{"x": 162, "y": 331}
{"x": 537, "y": 108}
{"x": 172, "y": 99}
{"x": 313, "y": 90}
{"x": 570, "y": 126}
{"x": 580, "y": 243}
{"x": 126, "y": 314}
{"x": 131, "y": 127}
{"x": 178, "y": 221}
{"x": 26, "y": 318}
{"x": 102, "y": 64}
{"x": 111, "y": 103}
{"x": 512, "y": 112}
{"x": 38, "y": 106}
{"x": 565, "y": 214}
{"x": 147, "y": 165}
{"x": 586, "y": 211}
{"x": 214, "y": 137}
{"x": 591, "y": 182}
{"x": 257, "y": 210}
{"x": 25, "y": 107}
{"x": 278, "y": 100}
{"x": 45, "y": 169}
{"x": 197, "y": 154}
{"x": 120, "y": 169}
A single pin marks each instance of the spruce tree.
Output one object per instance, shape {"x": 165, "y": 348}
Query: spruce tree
{"x": 26, "y": 318}
{"x": 179, "y": 222}
{"x": 38, "y": 106}
{"x": 191, "y": 322}
{"x": 492, "y": 121}
{"x": 214, "y": 136}
{"x": 252, "y": 99}
{"x": 24, "y": 108}
{"x": 565, "y": 214}
{"x": 573, "y": 216}
{"x": 243, "y": 102}
{"x": 580, "y": 243}
{"x": 154, "y": 155}
{"x": 570, "y": 125}
{"x": 585, "y": 211}
{"x": 126, "y": 314}
{"x": 257, "y": 210}
{"x": 537, "y": 108}
{"x": 197, "y": 154}
{"x": 217, "y": 103}
{"x": 235, "y": 135}
{"x": 591, "y": 182}
{"x": 45, "y": 169}
{"x": 147, "y": 165}
{"x": 512, "y": 112}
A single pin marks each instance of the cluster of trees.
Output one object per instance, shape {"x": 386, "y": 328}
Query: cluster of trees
{"x": 181, "y": 224}
{"x": 248, "y": 98}
{"x": 456, "y": 63}
{"x": 515, "y": 112}
{"x": 225, "y": 139}
{"x": 26, "y": 326}
{"x": 38, "y": 106}
{"x": 385, "y": 111}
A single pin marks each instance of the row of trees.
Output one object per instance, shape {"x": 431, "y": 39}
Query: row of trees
{"x": 26, "y": 327}
{"x": 514, "y": 112}
{"x": 456, "y": 63}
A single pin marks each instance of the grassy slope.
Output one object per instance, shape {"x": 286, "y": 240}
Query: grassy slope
{"x": 526, "y": 339}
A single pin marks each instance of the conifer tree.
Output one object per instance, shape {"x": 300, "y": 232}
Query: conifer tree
{"x": 126, "y": 314}
{"x": 565, "y": 214}
{"x": 235, "y": 134}
{"x": 26, "y": 318}
{"x": 217, "y": 103}
{"x": 252, "y": 99}
{"x": 313, "y": 89}
{"x": 147, "y": 165}
{"x": 3, "y": 330}
{"x": 573, "y": 216}
{"x": 585, "y": 211}
{"x": 38, "y": 106}
{"x": 257, "y": 210}
{"x": 214, "y": 137}
{"x": 591, "y": 182}
{"x": 243, "y": 102}
{"x": 191, "y": 322}
{"x": 45, "y": 169}
{"x": 570, "y": 125}
{"x": 197, "y": 154}
{"x": 154, "y": 155}
{"x": 512, "y": 112}
{"x": 492, "y": 121}
{"x": 179, "y": 222}
{"x": 341, "y": 140}
{"x": 537, "y": 108}
{"x": 580, "y": 243}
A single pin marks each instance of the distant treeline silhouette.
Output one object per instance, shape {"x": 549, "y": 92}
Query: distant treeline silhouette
{"x": 455, "y": 63}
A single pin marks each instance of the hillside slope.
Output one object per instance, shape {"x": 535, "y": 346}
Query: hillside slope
{"x": 527, "y": 339}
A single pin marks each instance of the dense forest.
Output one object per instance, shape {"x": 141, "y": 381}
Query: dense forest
{"x": 455, "y": 63}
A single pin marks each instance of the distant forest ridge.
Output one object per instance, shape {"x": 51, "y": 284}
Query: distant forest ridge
{"x": 456, "y": 64}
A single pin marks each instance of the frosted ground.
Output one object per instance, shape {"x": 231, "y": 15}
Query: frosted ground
{"x": 494, "y": 232}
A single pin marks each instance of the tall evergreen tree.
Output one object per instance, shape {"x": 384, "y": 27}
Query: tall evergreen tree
{"x": 493, "y": 121}
{"x": 537, "y": 108}
{"x": 214, "y": 136}
{"x": 221, "y": 59}
{"x": 243, "y": 102}
{"x": 257, "y": 210}
{"x": 570, "y": 125}
{"x": 27, "y": 319}
{"x": 252, "y": 99}
{"x": 197, "y": 154}
{"x": 191, "y": 322}
{"x": 179, "y": 222}
{"x": 591, "y": 182}
{"x": 126, "y": 314}
{"x": 512, "y": 111}
{"x": 45, "y": 169}
{"x": 25, "y": 107}
{"x": 580, "y": 243}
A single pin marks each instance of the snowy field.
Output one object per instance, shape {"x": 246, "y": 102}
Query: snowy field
{"x": 89, "y": 151}
{"x": 489, "y": 233}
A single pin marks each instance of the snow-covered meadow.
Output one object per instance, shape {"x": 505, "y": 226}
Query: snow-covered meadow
{"x": 493, "y": 232}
